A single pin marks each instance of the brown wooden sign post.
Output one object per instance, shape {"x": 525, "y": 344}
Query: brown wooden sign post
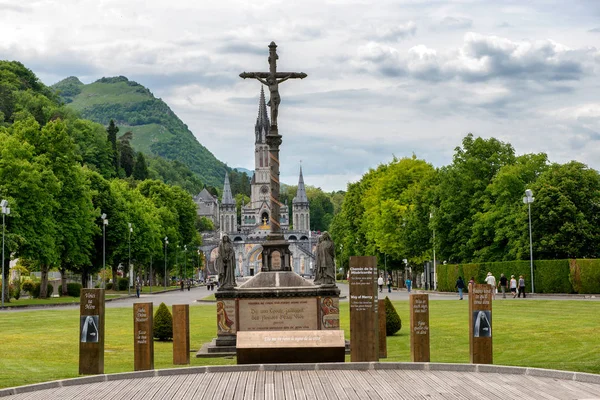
{"x": 91, "y": 332}
{"x": 419, "y": 328}
{"x": 480, "y": 323}
{"x": 143, "y": 336}
{"x": 382, "y": 330}
{"x": 364, "y": 316}
{"x": 181, "y": 334}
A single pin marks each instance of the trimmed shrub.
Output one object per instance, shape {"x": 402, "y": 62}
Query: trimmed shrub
{"x": 585, "y": 275}
{"x": 163, "y": 323}
{"x": 551, "y": 276}
{"x": 73, "y": 289}
{"x": 123, "y": 282}
{"x": 15, "y": 289}
{"x": 393, "y": 323}
{"x": 27, "y": 286}
{"x": 35, "y": 293}
{"x": 109, "y": 286}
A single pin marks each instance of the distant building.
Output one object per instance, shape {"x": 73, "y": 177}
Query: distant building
{"x": 255, "y": 215}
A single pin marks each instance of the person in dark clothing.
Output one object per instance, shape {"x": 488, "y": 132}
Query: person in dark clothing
{"x": 460, "y": 285}
{"x": 503, "y": 285}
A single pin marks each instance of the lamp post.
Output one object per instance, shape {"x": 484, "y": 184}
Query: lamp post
{"x": 434, "y": 266}
{"x": 185, "y": 262}
{"x": 528, "y": 199}
{"x": 150, "y": 277}
{"x": 104, "y": 223}
{"x": 129, "y": 263}
{"x": 5, "y": 212}
{"x": 166, "y": 243}
{"x": 199, "y": 269}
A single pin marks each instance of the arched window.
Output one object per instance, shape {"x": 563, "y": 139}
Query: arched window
{"x": 301, "y": 227}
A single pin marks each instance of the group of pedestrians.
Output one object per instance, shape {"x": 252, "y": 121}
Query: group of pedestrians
{"x": 516, "y": 287}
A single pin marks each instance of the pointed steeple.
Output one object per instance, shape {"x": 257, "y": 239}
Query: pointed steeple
{"x": 227, "y": 196}
{"x": 301, "y": 193}
{"x": 262, "y": 127}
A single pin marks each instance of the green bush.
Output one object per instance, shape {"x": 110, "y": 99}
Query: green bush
{"x": 15, "y": 289}
{"x": 551, "y": 276}
{"x": 28, "y": 286}
{"x": 35, "y": 293}
{"x": 163, "y": 323}
{"x": 393, "y": 323}
{"x": 73, "y": 289}
{"x": 109, "y": 286}
{"x": 585, "y": 275}
{"x": 123, "y": 282}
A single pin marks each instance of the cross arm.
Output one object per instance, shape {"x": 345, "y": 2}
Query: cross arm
{"x": 278, "y": 75}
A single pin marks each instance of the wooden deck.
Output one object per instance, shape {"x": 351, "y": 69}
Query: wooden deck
{"x": 314, "y": 381}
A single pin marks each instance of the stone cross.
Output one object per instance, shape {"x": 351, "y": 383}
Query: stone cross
{"x": 272, "y": 79}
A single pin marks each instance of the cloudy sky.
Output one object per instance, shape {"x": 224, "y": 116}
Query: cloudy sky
{"x": 385, "y": 77}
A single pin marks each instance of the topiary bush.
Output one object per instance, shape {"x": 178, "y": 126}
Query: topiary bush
{"x": 393, "y": 323}
{"x": 109, "y": 286}
{"x": 123, "y": 282}
{"x": 163, "y": 323}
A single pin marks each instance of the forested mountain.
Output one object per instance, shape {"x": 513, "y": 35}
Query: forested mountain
{"x": 155, "y": 127}
{"x": 65, "y": 177}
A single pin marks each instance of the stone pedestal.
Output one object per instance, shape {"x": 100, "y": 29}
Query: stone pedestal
{"x": 272, "y": 301}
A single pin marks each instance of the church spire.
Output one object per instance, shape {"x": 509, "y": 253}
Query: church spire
{"x": 301, "y": 192}
{"x": 262, "y": 121}
{"x": 227, "y": 196}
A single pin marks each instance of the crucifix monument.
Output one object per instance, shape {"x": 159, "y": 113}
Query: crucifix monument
{"x": 277, "y": 300}
{"x": 275, "y": 242}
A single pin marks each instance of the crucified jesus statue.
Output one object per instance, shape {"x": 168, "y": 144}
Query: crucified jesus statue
{"x": 272, "y": 79}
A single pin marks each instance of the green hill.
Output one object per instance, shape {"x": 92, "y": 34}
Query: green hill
{"x": 156, "y": 129}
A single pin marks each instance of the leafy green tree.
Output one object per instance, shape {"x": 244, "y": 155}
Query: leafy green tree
{"x": 111, "y": 132}
{"x": 140, "y": 169}
{"x": 204, "y": 224}
{"x": 126, "y": 154}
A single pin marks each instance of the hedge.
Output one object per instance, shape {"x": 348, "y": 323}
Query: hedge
{"x": 551, "y": 276}
{"x": 73, "y": 289}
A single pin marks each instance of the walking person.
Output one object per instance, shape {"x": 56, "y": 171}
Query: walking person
{"x": 389, "y": 284}
{"x": 491, "y": 280}
{"x": 503, "y": 285}
{"x": 380, "y": 283}
{"x": 138, "y": 287}
{"x": 522, "y": 286}
{"x": 513, "y": 286}
{"x": 408, "y": 283}
{"x": 460, "y": 285}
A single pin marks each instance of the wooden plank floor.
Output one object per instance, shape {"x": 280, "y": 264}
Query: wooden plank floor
{"x": 328, "y": 384}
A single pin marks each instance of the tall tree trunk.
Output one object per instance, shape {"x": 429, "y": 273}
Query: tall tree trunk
{"x": 44, "y": 282}
{"x": 115, "y": 278}
{"x": 84, "y": 278}
{"x": 5, "y": 280}
{"x": 63, "y": 281}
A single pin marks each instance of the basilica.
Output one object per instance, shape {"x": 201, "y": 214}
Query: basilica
{"x": 253, "y": 228}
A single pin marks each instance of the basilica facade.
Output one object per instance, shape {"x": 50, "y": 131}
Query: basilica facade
{"x": 250, "y": 232}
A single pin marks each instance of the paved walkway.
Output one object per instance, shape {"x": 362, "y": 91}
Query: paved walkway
{"x": 382, "y": 381}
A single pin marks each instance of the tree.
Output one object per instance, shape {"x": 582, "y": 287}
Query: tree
{"x": 111, "y": 132}
{"x": 140, "y": 169}
{"x": 126, "y": 155}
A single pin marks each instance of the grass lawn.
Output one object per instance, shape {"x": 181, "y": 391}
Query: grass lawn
{"x": 42, "y": 345}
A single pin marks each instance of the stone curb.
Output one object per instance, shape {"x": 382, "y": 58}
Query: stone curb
{"x": 362, "y": 366}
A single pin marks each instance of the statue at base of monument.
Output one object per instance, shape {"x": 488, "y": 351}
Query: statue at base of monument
{"x": 325, "y": 267}
{"x": 226, "y": 264}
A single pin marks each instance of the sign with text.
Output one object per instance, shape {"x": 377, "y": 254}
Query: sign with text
{"x": 480, "y": 323}
{"x": 295, "y": 313}
{"x": 181, "y": 334}
{"x": 364, "y": 316}
{"x": 143, "y": 337}
{"x": 91, "y": 332}
{"x": 419, "y": 328}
